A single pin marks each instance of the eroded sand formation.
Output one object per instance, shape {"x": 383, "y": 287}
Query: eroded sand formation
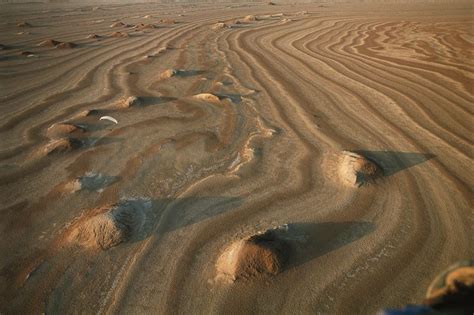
{"x": 352, "y": 123}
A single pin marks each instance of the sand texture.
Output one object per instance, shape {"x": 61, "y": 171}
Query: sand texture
{"x": 146, "y": 148}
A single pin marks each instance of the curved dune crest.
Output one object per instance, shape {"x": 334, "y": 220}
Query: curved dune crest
{"x": 261, "y": 254}
{"x": 357, "y": 170}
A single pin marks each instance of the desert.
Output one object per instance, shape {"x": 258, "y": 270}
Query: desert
{"x": 234, "y": 157}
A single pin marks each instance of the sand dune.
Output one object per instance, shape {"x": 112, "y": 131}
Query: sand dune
{"x": 351, "y": 125}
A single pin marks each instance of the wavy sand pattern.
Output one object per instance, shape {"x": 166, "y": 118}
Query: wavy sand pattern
{"x": 351, "y": 124}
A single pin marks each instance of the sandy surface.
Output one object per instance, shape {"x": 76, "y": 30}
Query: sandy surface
{"x": 236, "y": 128}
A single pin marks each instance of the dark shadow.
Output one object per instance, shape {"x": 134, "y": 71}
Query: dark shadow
{"x": 189, "y": 73}
{"x": 308, "y": 241}
{"x": 180, "y": 213}
{"x": 95, "y": 182}
{"x": 91, "y": 141}
{"x": 234, "y": 98}
{"x": 155, "y": 100}
{"x": 393, "y": 162}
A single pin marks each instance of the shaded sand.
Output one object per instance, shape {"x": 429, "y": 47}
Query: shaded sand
{"x": 352, "y": 123}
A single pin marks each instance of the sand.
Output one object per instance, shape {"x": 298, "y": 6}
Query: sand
{"x": 352, "y": 124}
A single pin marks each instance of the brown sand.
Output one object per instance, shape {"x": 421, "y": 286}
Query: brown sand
{"x": 262, "y": 145}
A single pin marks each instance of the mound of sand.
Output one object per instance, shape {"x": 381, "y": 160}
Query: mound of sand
{"x": 119, "y": 34}
{"x": 130, "y": 102}
{"x": 89, "y": 112}
{"x": 261, "y": 254}
{"x": 107, "y": 226}
{"x": 169, "y": 73}
{"x": 93, "y": 36}
{"x": 26, "y": 53}
{"x": 167, "y": 21}
{"x": 118, "y": 24}
{"x": 61, "y": 129}
{"x": 142, "y": 26}
{"x": 61, "y": 145}
{"x": 147, "y": 16}
{"x": 49, "y": 43}
{"x": 357, "y": 170}
{"x": 452, "y": 289}
{"x": 66, "y": 45}
{"x": 219, "y": 25}
{"x": 208, "y": 97}
{"x": 23, "y": 24}
{"x": 250, "y": 18}
{"x": 110, "y": 226}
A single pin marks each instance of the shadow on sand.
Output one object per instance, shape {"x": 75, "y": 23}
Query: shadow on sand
{"x": 308, "y": 241}
{"x": 173, "y": 214}
{"x": 393, "y": 162}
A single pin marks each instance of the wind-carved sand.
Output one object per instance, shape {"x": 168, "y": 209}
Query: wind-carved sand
{"x": 346, "y": 125}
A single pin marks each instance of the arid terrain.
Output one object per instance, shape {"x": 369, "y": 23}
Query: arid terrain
{"x": 146, "y": 148}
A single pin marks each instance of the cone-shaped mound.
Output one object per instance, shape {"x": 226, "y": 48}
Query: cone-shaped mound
{"x": 23, "y": 24}
{"x": 119, "y": 34}
{"x": 61, "y": 129}
{"x": 357, "y": 170}
{"x": 61, "y": 145}
{"x": 259, "y": 255}
{"x": 26, "y": 53}
{"x": 118, "y": 24}
{"x": 130, "y": 102}
{"x": 93, "y": 36}
{"x": 169, "y": 73}
{"x": 66, "y": 45}
{"x": 219, "y": 25}
{"x": 108, "y": 226}
{"x": 453, "y": 289}
{"x": 49, "y": 43}
{"x": 208, "y": 97}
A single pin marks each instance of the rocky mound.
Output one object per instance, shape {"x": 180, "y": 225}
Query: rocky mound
{"x": 259, "y": 255}
{"x": 357, "y": 170}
